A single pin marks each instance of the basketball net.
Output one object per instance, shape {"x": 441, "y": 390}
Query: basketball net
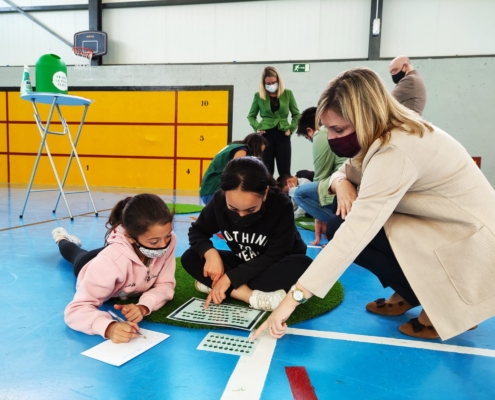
{"x": 83, "y": 58}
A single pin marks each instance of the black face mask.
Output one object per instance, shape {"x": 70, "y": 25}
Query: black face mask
{"x": 247, "y": 220}
{"x": 347, "y": 146}
{"x": 398, "y": 76}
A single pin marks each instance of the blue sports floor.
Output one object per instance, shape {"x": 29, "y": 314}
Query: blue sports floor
{"x": 348, "y": 353}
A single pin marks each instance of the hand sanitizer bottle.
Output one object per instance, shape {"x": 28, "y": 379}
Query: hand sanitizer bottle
{"x": 26, "y": 82}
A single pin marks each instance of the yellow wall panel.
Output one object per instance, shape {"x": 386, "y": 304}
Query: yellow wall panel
{"x": 98, "y": 139}
{"x": 206, "y": 164}
{"x": 3, "y": 106}
{"x": 203, "y": 107}
{"x": 26, "y": 138}
{"x": 188, "y": 174}
{"x": 147, "y": 130}
{"x": 148, "y": 107}
{"x": 201, "y": 141}
{"x": 120, "y": 172}
{"x": 127, "y": 107}
{"x": 22, "y": 166}
{"x": 146, "y": 173}
{"x": 3, "y": 168}
{"x": 131, "y": 140}
{"x": 3, "y": 137}
{"x": 20, "y": 110}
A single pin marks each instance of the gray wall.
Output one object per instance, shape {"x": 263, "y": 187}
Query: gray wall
{"x": 461, "y": 93}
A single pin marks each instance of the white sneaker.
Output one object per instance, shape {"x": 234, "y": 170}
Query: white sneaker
{"x": 61, "y": 234}
{"x": 200, "y": 287}
{"x": 268, "y": 301}
{"x": 299, "y": 213}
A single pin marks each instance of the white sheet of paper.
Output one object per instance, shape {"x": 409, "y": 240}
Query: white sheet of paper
{"x": 118, "y": 354}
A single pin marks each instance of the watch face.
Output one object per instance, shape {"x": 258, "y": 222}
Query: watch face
{"x": 298, "y": 295}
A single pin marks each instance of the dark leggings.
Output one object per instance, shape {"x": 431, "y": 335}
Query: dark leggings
{"x": 281, "y": 275}
{"x": 75, "y": 255}
{"x": 279, "y": 148}
{"x": 379, "y": 258}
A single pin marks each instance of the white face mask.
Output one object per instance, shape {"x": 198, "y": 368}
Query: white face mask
{"x": 272, "y": 88}
{"x": 152, "y": 252}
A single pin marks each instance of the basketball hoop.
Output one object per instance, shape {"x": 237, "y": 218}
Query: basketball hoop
{"x": 83, "y": 58}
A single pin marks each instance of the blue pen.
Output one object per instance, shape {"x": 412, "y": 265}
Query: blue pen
{"x": 124, "y": 321}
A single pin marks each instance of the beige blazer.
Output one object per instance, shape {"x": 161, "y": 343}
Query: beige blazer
{"x": 411, "y": 92}
{"x": 438, "y": 211}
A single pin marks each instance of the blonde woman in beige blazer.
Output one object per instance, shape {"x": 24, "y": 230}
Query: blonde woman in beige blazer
{"x": 418, "y": 186}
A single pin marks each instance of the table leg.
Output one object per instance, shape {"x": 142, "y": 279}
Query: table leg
{"x": 44, "y": 131}
{"x": 74, "y": 154}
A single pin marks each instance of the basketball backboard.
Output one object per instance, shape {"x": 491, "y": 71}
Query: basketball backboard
{"x": 94, "y": 40}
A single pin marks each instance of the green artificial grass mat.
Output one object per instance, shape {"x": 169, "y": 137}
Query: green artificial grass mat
{"x": 185, "y": 290}
{"x": 306, "y": 223}
{"x": 185, "y": 208}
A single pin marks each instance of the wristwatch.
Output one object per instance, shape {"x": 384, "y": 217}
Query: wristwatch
{"x": 298, "y": 295}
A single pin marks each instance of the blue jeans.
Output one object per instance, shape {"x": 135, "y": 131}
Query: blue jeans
{"x": 207, "y": 198}
{"x": 306, "y": 197}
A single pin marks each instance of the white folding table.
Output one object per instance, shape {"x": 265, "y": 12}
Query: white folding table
{"x": 56, "y": 100}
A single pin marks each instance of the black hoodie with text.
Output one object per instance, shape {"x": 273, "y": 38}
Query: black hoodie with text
{"x": 259, "y": 244}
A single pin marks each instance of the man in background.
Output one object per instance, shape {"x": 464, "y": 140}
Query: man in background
{"x": 410, "y": 90}
{"x": 313, "y": 197}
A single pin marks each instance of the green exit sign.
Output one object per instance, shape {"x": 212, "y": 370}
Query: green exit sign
{"x": 300, "y": 67}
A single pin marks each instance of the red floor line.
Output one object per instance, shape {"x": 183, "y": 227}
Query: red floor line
{"x": 300, "y": 384}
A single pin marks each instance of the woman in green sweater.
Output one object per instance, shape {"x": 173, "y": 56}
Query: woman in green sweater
{"x": 273, "y": 103}
{"x": 252, "y": 145}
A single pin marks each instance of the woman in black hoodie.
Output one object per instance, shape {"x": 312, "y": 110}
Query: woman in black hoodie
{"x": 267, "y": 254}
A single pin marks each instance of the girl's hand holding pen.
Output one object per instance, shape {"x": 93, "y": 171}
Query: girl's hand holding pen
{"x": 122, "y": 332}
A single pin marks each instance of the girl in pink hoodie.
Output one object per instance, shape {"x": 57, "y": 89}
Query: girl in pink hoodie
{"x": 138, "y": 259}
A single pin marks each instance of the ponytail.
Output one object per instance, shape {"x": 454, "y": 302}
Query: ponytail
{"x": 137, "y": 214}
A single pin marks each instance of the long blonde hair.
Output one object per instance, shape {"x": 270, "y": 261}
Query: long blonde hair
{"x": 272, "y": 72}
{"x": 361, "y": 98}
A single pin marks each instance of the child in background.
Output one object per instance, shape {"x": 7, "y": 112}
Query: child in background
{"x": 252, "y": 145}
{"x": 138, "y": 259}
{"x": 288, "y": 185}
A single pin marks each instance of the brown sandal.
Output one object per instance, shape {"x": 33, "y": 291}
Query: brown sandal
{"x": 379, "y": 306}
{"x": 416, "y": 329}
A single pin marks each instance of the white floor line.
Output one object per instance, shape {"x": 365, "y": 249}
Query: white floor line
{"x": 249, "y": 376}
{"x": 393, "y": 342}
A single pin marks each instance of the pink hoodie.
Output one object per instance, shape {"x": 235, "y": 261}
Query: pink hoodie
{"x": 117, "y": 272}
